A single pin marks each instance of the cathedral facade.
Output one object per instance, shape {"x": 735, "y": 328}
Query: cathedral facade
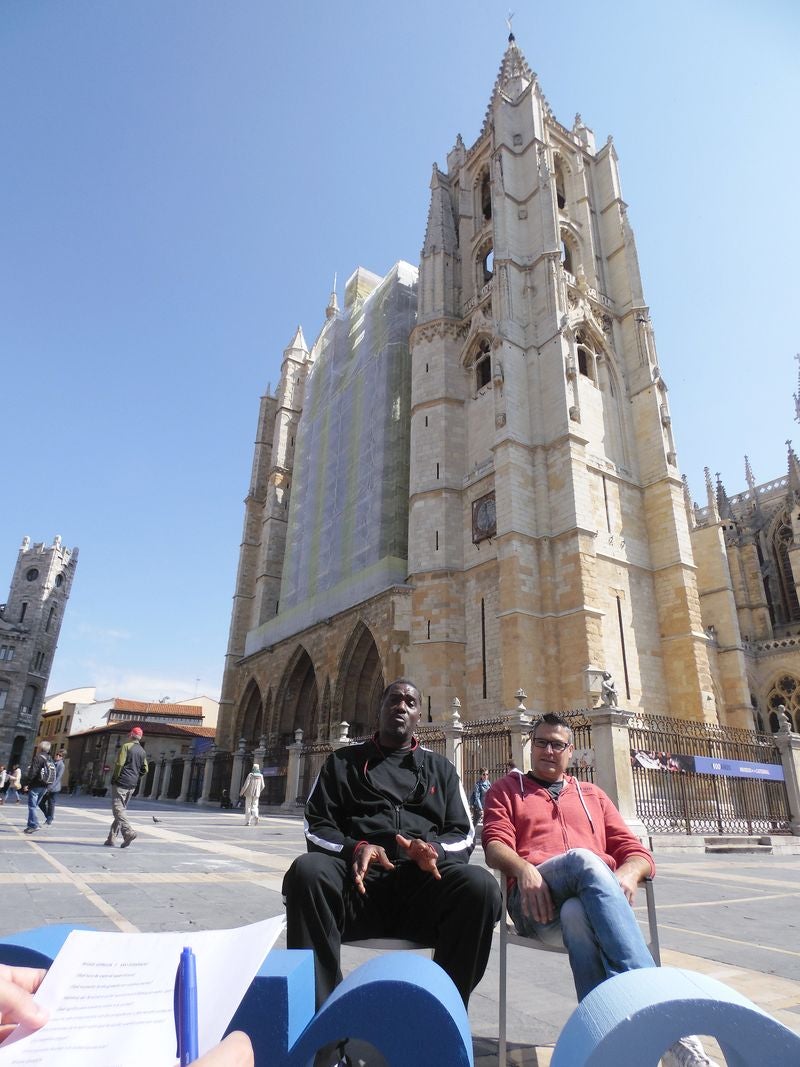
{"x": 470, "y": 477}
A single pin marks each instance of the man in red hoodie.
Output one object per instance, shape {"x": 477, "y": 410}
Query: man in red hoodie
{"x": 573, "y": 868}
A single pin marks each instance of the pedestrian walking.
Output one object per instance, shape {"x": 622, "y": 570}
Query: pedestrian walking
{"x": 41, "y": 774}
{"x": 3, "y": 782}
{"x": 14, "y": 784}
{"x": 251, "y": 791}
{"x": 480, "y": 789}
{"x": 131, "y": 765}
{"x": 47, "y": 804}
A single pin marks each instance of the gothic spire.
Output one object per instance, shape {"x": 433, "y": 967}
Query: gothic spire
{"x": 713, "y": 513}
{"x": 794, "y": 470}
{"x": 512, "y": 80}
{"x": 440, "y": 233}
{"x": 298, "y": 341}
{"x": 723, "y": 503}
{"x": 748, "y": 474}
{"x": 333, "y": 304}
{"x": 797, "y": 394}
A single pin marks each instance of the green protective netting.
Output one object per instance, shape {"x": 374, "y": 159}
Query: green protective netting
{"x": 347, "y": 534}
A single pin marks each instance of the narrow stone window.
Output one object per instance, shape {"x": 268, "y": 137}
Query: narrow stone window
{"x": 486, "y": 195}
{"x": 561, "y": 197}
{"x": 622, "y": 645}
{"x": 483, "y": 365}
{"x": 487, "y": 265}
{"x": 426, "y": 420}
{"x": 49, "y": 620}
{"x": 23, "y": 610}
{"x": 437, "y": 472}
{"x": 605, "y": 501}
{"x": 429, "y": 629}
{"x": 566, "y": 256}
{"x": 483, "y": 645}
{"x": 437, "y": 540}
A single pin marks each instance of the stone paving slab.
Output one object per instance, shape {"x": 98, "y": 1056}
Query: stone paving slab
{"x": 733, "y": 917}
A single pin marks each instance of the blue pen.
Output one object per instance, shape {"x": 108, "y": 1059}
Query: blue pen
{"x": 186, "y": 1008}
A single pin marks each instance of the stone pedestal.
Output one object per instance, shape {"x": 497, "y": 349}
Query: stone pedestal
{"x": 153, "y": 794}
{"x": 293, "y": 771}
{"x": 236, "y": 772}
{"x": 166, "y": 775}
{"x": 453, "y": 731}
{"x": 789, "y": 747}
{"x": 208, "y": 774}
{"x": 612, "y": 761}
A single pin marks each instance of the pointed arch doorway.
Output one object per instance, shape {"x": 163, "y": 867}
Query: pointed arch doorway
{"x": 361, "y": 682}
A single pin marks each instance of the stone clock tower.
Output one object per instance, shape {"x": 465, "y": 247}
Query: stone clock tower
{"x": 548, "y": 531}
{"x": 30, "y": 622}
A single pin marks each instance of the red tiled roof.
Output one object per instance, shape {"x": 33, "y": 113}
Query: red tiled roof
{"x": 151, "y": 728}
{"x": 141, "y": 707}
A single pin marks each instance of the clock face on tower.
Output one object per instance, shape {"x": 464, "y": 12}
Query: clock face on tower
{"x": 484, "y": 518}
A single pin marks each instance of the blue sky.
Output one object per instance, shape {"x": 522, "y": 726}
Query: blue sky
{"x": 182, "y": 179}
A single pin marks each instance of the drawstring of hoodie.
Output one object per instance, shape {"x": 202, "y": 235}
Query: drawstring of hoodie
{"x": 517, "y": 771}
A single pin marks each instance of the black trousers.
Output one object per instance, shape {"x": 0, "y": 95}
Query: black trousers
{"x": 455, "y": 915}
{"x": 47, "y": 805}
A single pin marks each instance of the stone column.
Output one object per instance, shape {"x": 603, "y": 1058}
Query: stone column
{"x": 519, "y": 724}
{"x": 185, "y": 779}
{"x": 453, "y": 731}
{"x": 156, "y": 779}
{"x": 208, "y": 774}
{"x": 612, "y": 761}
{"x": 166, "y": 777}
{"x": 293, "y": 771}
{"x": 789, "y": 747}
{"x": 236, "y": 772}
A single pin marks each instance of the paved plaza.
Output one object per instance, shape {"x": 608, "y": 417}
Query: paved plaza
{"x": 735, "y": 918}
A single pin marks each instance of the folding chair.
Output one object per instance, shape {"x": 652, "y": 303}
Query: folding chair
{"x": 509, "y": 936}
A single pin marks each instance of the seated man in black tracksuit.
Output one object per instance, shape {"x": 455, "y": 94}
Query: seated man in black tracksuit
{"x": 389, "y": 838}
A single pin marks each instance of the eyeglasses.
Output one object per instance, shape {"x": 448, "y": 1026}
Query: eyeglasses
{"x": 557, "y": 746}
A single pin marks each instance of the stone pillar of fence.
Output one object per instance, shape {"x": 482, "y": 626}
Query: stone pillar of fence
{"x": 453, "y": 731}
{"x": 166, "y": 777}
{"x": 293, "y": 771}
{"x": 153, "y": 794}
{"x": 612, "y": 761}
{"x": 789, "y": 747}
{"x": 186, "y": 778}
{"x": 339, "y": 738}
{"x": 208, "y": 776}
{"x": 236, "y": 771}
{"x": 519, "y": 726}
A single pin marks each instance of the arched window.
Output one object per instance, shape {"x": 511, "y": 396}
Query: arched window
{"x": 566, "y": 256}
{"x": 561, "y": 196}
{"x": 486, "y": 195}
{"x": 587, "y": 356}
{"x": 487, "y": 265}
{"x": 781, "y": 541}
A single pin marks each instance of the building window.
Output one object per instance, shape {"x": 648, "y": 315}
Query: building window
{"x": 785, "y": 692}
{"x": 3, "y": 696}
{"x": 587, "y": 358}
{"x": 483, "y": 365}
{"x": 23, "y": 611}
{"x": 487, "y": 265}
{"x": 49, "y": 620}
{"x": 32, "y": 574}
{"x": 486, "y": 195}
{"x": 561, "y": 197}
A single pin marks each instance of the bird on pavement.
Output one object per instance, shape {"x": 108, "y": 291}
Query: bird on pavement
{"x": 155, "y": 819}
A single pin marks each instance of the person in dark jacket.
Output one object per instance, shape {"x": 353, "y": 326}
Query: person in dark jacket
{"x": 35, "y": 787}
{"x": 131, "y": 765}
{"x": 389, "y": 837}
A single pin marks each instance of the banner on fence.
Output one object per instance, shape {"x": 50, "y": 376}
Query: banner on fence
{"x": 677, "y": 762}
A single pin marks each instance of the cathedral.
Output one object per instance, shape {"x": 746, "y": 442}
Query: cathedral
{"x": 470, "y": 478}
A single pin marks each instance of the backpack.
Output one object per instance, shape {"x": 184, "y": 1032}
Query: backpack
{"x": 47, "y": 772}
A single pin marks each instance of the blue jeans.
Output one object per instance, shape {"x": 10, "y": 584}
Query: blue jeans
{"x": 594, "y": 919}
{"x": 35, "y": 794}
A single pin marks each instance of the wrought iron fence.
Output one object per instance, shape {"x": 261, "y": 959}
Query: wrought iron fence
{"x": 175, "y": 779}
{"x": 276, "y": 758}
{"x": 221, "y": 774}
{"x": 312, "y": 758}
{"x": 196, "y": 779}
{"x": 582, "y": 765}
{"x": 671, "y": 797}
{"x": 484, "y": 743}
{"x": 433, "y": 738}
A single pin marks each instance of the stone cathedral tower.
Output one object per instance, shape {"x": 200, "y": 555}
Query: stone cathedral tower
{"x": 547, "y": 525}
{"x": 470, "y": 476}
{"x": 30, "y": 622}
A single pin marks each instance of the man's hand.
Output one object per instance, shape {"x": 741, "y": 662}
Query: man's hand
{"x": 534, "y": 894}
{"x": 17, "y": 986}
{"x": 423, "y": 853}
{"x": 364, "y": 857}
{"x": 630, "y": 874}
{"x": 235, "y": 1051}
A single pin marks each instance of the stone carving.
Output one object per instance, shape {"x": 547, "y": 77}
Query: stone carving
{"x": 608, "y": 691}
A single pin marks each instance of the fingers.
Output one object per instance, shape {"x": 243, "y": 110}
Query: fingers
{"x": 235, "y": 1051}
{"x": 17, "y": 1005}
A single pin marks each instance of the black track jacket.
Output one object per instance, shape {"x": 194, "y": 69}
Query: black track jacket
{"x": 344, "y": 807}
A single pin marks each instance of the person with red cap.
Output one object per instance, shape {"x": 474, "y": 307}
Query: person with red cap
{"x": 131, "y": 765}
